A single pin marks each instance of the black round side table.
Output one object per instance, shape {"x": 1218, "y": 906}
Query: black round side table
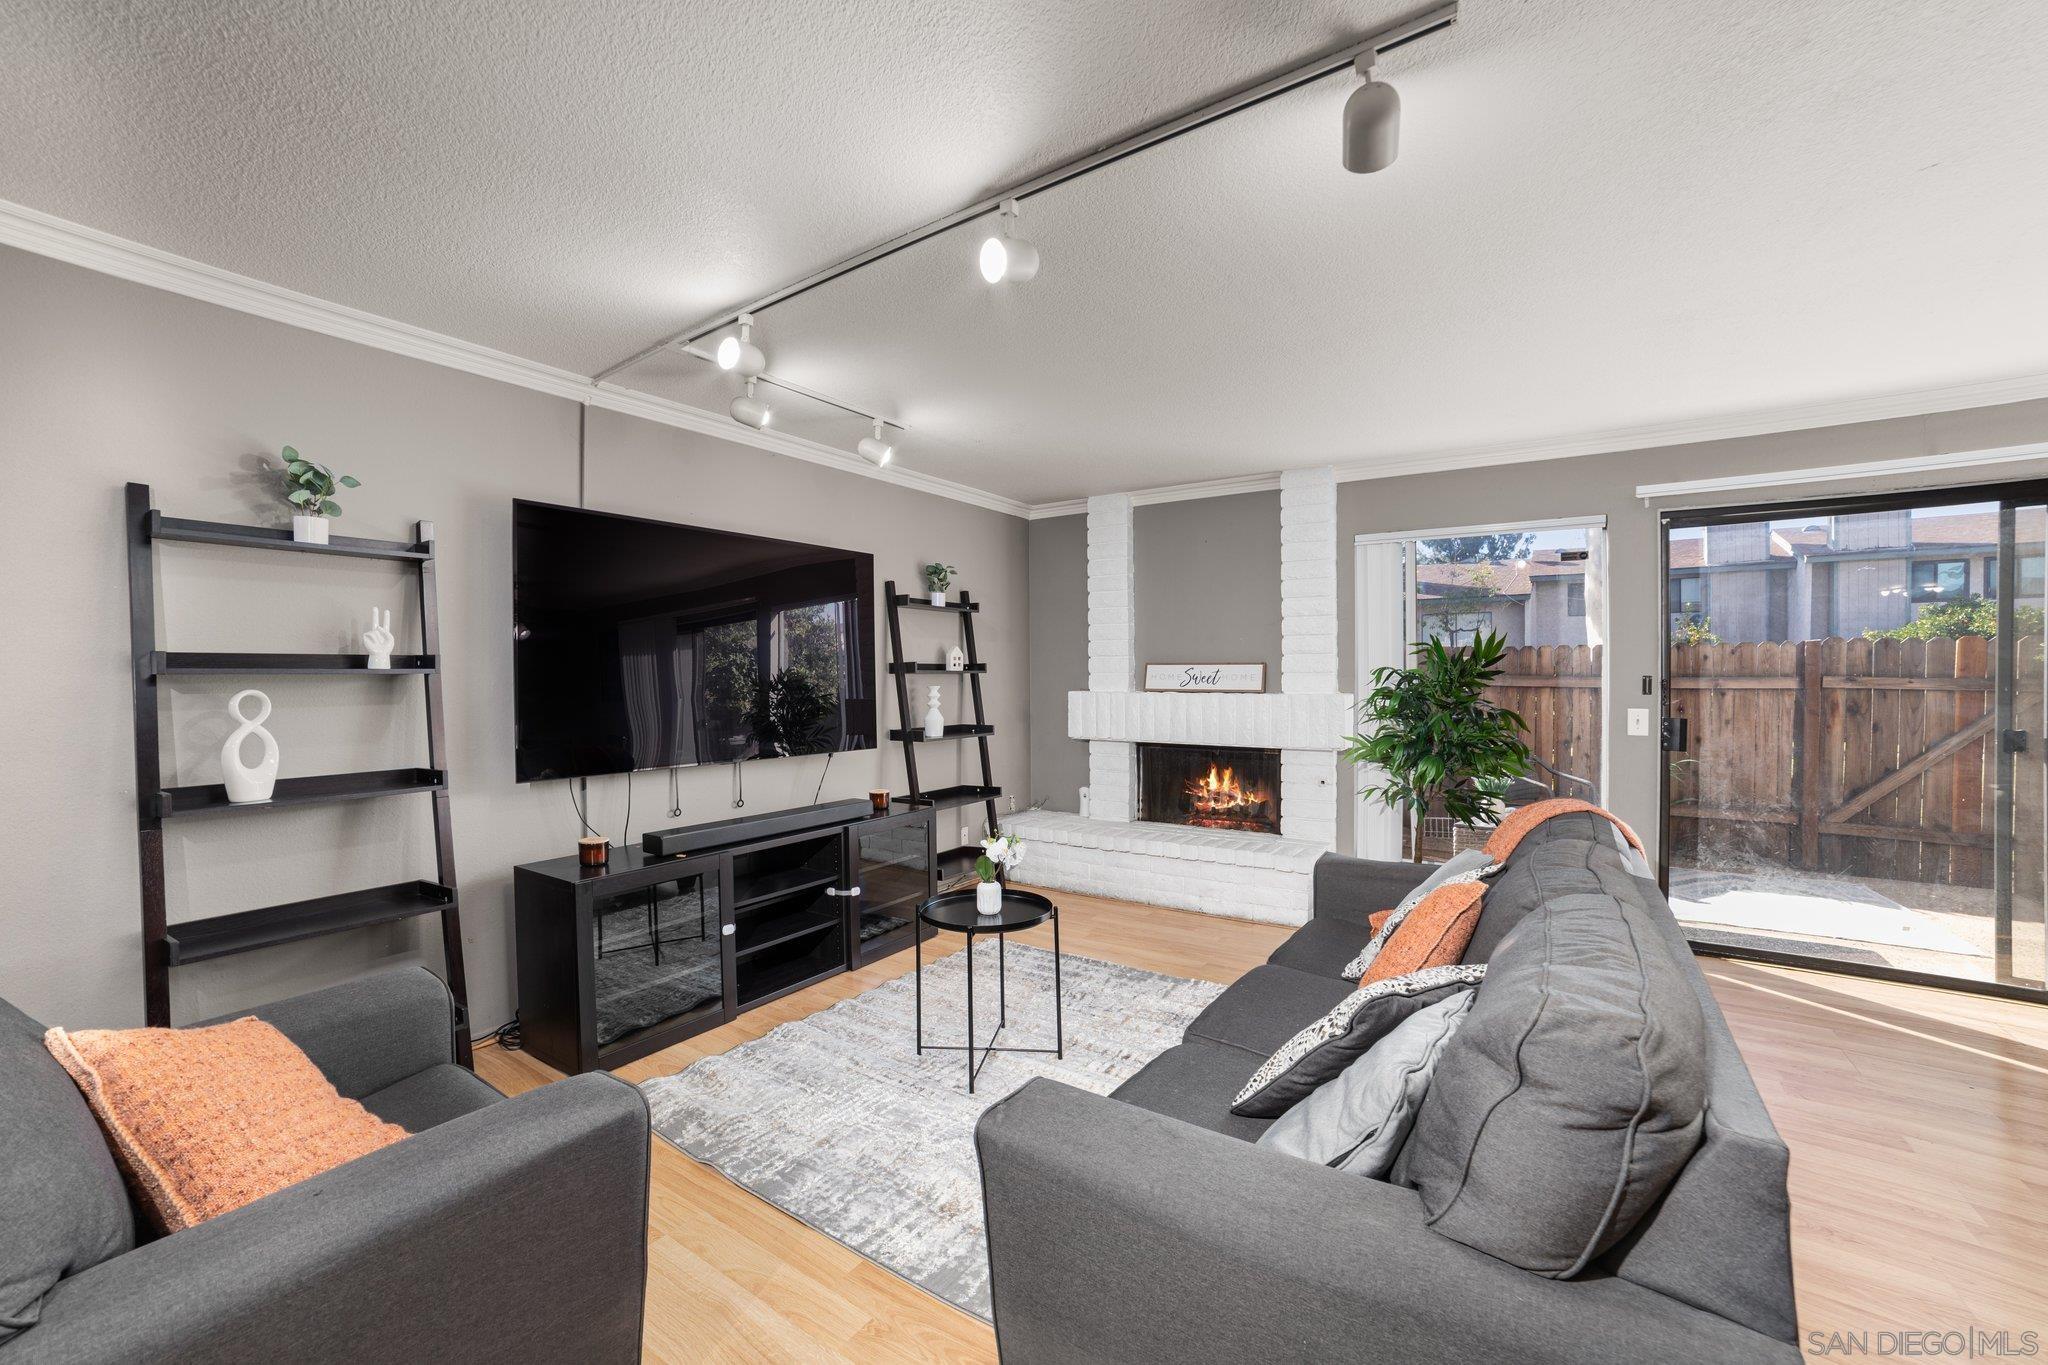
{"x": 955, "y": 912}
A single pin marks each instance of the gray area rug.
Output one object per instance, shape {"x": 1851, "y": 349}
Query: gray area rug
{"x": 837, "y": 1121}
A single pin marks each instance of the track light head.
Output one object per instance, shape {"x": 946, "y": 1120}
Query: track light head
{"x": 750, "y": 411}
{"x": 875, "y": 450}
{"x": 1005, "y": 258}
{"x": 739, "y": 353}
{"x": 1372, "y": 123}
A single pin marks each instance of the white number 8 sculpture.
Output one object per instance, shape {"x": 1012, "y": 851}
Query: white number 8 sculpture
{"x": 245, "y": 783}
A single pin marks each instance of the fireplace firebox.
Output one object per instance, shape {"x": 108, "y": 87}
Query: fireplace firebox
{"x": 1210, "y": 787}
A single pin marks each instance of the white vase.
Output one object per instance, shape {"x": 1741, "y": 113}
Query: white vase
{"x": 938, "y": 599}
{"x": 309, "y": 530}
{"x": 988, "y": 898}
{"x": 247, "y": 783}
{"x": 934, "y": 719}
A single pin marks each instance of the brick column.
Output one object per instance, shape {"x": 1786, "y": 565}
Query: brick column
{"x": 1112, "y": 651}
{"x": 1308, "y": 644}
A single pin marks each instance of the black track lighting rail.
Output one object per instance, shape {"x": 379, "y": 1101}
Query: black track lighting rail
{"x": 1432, "y": 20}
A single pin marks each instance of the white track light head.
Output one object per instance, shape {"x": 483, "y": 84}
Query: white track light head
{"x": 750, "y": 411}
{"x": 1005, "y": 258}
{"x": 739, "y": 353}
{"x": 875, "y": 450}
{"x": 1372, "y": 123}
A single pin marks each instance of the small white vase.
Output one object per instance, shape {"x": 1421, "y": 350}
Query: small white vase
{"x": 988, "y": 898}
{"x": 309, "y": 530}
{"x": 938, "y": 599}
{"x": 934, "y": 719}
{"x": 247, "y": 783}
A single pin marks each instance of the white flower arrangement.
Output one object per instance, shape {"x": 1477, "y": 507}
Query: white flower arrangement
{"x": 997, "y": 856}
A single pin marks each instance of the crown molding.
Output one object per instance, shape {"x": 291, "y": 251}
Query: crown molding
{"x": 75, "y": 244}
{"x": 1172, "y": 492}
{"x": 1866, "y": 469}
{"x": 1761, "y": 422}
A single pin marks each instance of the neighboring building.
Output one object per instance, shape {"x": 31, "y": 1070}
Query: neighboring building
{"x": 1838, "y": 576}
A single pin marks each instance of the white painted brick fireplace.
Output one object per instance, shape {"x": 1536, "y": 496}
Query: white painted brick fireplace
{"x": 1107, "y": 851}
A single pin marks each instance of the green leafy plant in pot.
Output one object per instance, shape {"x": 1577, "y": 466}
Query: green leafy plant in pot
{"x": 1437, "y": 742}
{"x": 310, "y": 489}
{"x": 937, "y": 578}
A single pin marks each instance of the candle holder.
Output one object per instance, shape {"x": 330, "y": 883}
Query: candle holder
{"x": 879, "y": 799}
{"x": 593, "y": 850}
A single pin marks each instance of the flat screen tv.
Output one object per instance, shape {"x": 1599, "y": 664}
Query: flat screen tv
{"x": 643, "y": 644}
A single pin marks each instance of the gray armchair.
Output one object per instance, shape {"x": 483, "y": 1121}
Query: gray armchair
{"x": 503, "y": 1230}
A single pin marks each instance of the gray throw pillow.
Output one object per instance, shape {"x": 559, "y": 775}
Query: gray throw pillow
{"x": 1470, "y": 866}
{"x": 1341, "y": 1037}
{"x": 1573, "y": 1094}
{"x": 1358, "y": 1121}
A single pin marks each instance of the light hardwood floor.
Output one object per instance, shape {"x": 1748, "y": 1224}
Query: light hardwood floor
{"x": 1918, "y": 1122}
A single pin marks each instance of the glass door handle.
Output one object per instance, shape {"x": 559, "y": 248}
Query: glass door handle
{"x": 849, "y": 891}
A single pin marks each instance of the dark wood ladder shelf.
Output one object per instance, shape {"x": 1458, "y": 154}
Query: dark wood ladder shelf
{"x": 169, "y": 665}
{"x": 212, "y": 799}
{"x": 223, "y": 935}
{"x": 165, "y": 945}
{"x": 911, "y": 735}
{"x": 161, "y": 527}
{"x": 946, "y": 798}
{"x": 900, "y": 599}
{"x": 952, "y": 732}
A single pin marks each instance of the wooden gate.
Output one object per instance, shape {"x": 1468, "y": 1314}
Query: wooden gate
{"x": 1870, "y": 757}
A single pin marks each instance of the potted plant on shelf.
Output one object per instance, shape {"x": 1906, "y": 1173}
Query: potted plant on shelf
{"x": 1438, "y": 743}
{"x": 309, "y": 488}
{"x": 998, "y": 855}
{"x": 937, "y": 578}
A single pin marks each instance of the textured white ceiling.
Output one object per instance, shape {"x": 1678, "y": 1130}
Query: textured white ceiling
{"x": 1605, "y": 215}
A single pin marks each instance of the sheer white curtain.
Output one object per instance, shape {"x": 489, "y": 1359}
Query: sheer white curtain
{"x": 1384, "y": 629}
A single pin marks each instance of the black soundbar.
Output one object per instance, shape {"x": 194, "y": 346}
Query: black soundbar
{"x": 670, "y": 843}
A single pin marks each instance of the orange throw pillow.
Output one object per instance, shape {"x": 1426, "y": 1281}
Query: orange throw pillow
{"x": 206, "y": 1120}
{"x": 1434, "y": 934}
{"x": 1376, "y": 919}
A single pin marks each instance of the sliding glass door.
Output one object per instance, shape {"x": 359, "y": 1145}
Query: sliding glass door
{"x": 1854, "y": 734}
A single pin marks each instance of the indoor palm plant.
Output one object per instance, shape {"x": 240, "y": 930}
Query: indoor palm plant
{"x": 1436, "y": 741}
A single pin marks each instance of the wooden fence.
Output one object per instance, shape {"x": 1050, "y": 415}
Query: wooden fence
{"x": 1869, "y": 757}
{"x": 1556, "y": 691}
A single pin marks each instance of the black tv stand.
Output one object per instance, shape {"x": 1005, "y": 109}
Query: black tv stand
{"x": 794, "y": 903}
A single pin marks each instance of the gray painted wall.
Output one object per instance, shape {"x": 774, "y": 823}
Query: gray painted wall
{"x": 1575, "y": 487}
{"x": 103, "y": 381}
{"x": 1059, "y": 657}
{"x": 1211, "y": 567}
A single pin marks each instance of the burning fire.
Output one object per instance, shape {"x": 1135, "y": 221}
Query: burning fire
{"x": 1219, "y": 797}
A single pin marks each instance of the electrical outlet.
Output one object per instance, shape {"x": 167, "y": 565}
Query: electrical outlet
{"x": 966, "y": 837}
{"x": 1639, "y": 720}
{"x": 1012, "y": 808}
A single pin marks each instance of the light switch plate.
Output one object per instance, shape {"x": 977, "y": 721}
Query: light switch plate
{"x": 1639, "y": 720}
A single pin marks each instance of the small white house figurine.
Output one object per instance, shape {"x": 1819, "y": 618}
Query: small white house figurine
{"x": 248, "y": 783}
{"x": 956, "y": 660}
{"x": 934, "y": 719}
{"x": 378, "y": 639}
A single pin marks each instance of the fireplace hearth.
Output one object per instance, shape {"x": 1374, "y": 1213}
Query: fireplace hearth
{"x": 1210, "y": 787}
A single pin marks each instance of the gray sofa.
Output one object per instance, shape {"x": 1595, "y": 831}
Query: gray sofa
{"x": 503, "y": 1230}
{"x": 1147, "y": 1226}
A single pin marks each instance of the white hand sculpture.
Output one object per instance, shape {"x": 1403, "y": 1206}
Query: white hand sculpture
{"x": 378, "y": 639}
